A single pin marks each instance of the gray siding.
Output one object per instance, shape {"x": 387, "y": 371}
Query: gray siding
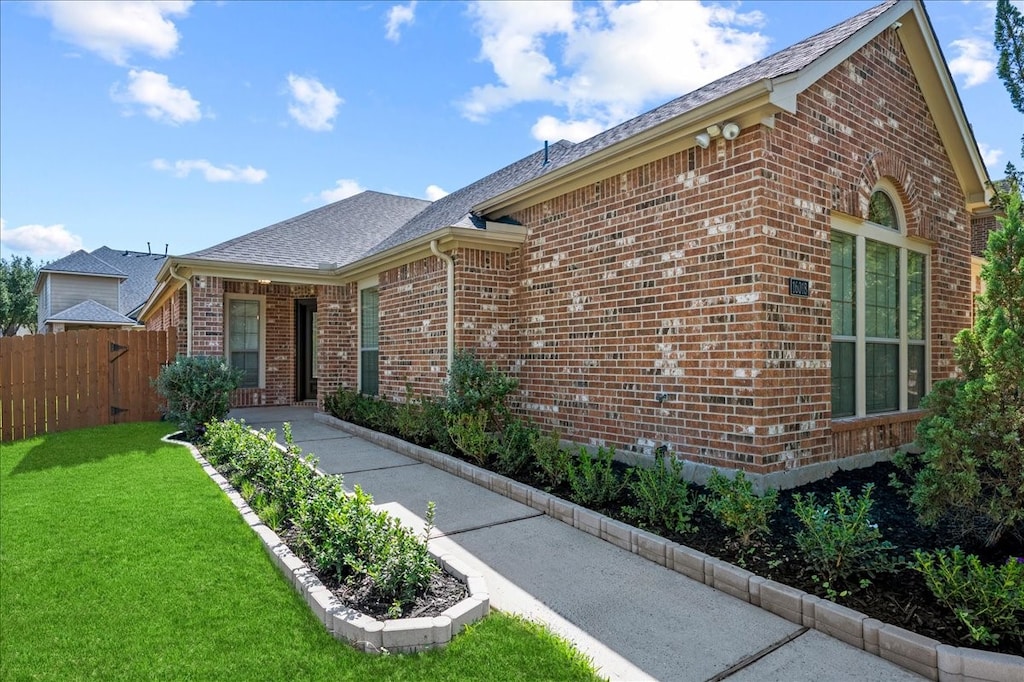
{"x": 43, "y": 305}
{"x": 68, "y": 290}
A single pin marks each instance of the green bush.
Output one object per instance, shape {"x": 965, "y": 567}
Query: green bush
{"x": 988, "y": 600}
{"x": 197, "y": 390}
{"x": 839, "y": 542}
{"x": 514, "y": 447}
{"x": 592, "y": 480}
{"x": 469, "y": 433}
{"x": 552, "y": 460}
{"x": 474, "y": 387}
{"x": 734, "y": 504}
{"x": 422, "y": 421}
{"x": 971, "y": 473}
{"x": 342, "y": 404}
{"x": 663, "y": 498}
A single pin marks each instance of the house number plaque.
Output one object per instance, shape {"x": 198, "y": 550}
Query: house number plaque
{"x": 799, "y": 287}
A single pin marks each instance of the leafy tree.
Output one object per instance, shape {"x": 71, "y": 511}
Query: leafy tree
{"x": 1009, "y": 42}
{"x": 17, "y": 294}
{"x": 971, "y": 472}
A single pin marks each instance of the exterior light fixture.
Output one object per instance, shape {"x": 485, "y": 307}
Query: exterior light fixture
{"x": 703, "y": 140}
{"x": 730, "y": 131}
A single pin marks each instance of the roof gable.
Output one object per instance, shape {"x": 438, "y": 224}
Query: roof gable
{"x": 90, "y": 312}
{"x": 141, "y": 269}
{"x": 82, "y": 263}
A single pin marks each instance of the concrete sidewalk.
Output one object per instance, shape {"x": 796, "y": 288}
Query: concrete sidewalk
{"x": 636, "y": 620}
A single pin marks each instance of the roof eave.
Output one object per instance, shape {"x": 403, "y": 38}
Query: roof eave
{"x": 746, "y": 106}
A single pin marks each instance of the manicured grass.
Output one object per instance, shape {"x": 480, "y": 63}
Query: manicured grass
{"x": 120, "y": 559}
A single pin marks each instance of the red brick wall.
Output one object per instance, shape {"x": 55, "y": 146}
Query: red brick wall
{"x": 413, "y": 328}
{"x": 338, "y": 354}
{"x": 172, "y": 315}
{"x": 980, "y": 229}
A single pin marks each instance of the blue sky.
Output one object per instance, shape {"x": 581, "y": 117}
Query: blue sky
{"x": 188, "y": 124}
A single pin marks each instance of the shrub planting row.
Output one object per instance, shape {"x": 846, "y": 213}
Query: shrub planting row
{"x": 838, "y": 538}
{"x": 340, "y": 534}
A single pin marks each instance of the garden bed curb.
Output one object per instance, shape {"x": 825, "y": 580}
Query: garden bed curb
{"x": 366, "y": 633}
{"x": 922, "y": 655}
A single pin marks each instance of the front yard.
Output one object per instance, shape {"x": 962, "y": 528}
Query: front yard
{"x": 120, "y": 559}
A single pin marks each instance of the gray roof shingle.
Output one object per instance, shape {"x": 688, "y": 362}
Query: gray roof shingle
{"x": 141, "y": 269}
{"x": 786, "y": 61}
{"x": 90, "y": 312}
{"x": 83, "y": 262}
{"x": 454, "y": 209}
{"x": 341, "y": 233}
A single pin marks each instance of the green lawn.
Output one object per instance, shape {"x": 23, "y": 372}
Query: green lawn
{"x": 120, "y": 559}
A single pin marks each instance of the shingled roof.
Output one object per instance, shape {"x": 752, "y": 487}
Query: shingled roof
{"x": 90, "y": 312}
{"x": 787, "y": 61}
{"x": 341, "y": 233}
{"x": 83, "y": 263}
{"x": 141, "y": 269}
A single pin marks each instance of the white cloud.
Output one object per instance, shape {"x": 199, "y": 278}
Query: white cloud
{"x": 343, "y": 189}
{"x": 40, "y": 241}
{"x": 552, "y": 129}
{"x": 116, "y": 29}
{"x": 314, "y": 106}
{"x": 398, "y": 16}
{"x": 975, "y": 60}
{"x": 989, "y": 155}
{"x": 434, "y": 193}
{"x": 228, "y": 173}
{"x": 160, "y": 100}
{"x": 602, "y": 63}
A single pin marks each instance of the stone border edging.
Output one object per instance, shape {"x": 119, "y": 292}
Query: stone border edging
{"x": 366, "y": 633}
{"x": 917, "y": 653}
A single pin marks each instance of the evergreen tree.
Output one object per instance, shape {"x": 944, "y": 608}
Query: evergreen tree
{"x": 971, "y": 472}
{"x": 1009, "y": 41}
{"x": 17, "y": 295}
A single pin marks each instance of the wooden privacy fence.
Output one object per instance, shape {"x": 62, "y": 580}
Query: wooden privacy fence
{"x": 70, "y": 380}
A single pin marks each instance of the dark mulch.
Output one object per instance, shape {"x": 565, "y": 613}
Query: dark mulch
{"x": 901, "y": 598}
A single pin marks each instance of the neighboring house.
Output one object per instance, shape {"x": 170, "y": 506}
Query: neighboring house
{"x": 766, "y": 273}
{"x": 105, "y": 288}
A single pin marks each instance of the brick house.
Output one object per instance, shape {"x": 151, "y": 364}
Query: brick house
{"x": 764, "y": 273}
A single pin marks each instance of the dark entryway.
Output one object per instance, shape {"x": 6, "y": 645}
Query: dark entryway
{"x": 305, "y": 345}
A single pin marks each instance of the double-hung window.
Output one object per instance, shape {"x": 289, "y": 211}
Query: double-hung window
{"x": 369, "y": 334}
{"x": 245, "y": 339}
{"x": 879, "y": 304}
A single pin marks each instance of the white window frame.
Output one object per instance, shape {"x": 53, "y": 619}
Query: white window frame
{"x": 862, "y": 231}
{"x": 368, "y": 283}
{"x": 262, "y": 300}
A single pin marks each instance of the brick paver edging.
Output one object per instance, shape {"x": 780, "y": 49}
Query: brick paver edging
{"x": 923, "y": 655}
{"x": 401, "y": 635}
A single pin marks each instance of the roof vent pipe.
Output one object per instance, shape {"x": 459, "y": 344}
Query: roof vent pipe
{"x": 450, "y": 325}
{"x": 545, "y": 152}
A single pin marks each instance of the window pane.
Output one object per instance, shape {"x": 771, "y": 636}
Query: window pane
{"x": 368, "y": 372}
{"x": 915, "y": 295}
{"x": 843, "y": 379}
{"x": 882, "y": 304}
{"x": 882, "y": 374}
{"x": 249, "y": 364}
{"x": 244, "y": 339}
{"x": 915, "y": 375}
{"x": 882, "y": 212}
{"x": 843, "y": 269}
{"x": 370, "y": 322}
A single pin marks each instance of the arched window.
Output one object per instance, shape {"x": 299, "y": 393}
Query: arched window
{"x": 879, "y": 313}
{"x": 881, "y": 211}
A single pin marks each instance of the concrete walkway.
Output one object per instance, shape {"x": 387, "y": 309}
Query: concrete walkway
{"x": 635, "y": 619}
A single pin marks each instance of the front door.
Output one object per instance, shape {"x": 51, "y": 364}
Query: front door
{"x": 305, "y": 345}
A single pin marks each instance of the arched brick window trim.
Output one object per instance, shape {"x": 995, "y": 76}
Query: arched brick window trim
{"x": 894, "y": 169}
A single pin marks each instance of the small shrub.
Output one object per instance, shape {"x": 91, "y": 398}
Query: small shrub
{"x": 375, "y": 413}
{"x": 988, "y": 600}
{"x": 592, "y": 480}
{"x": 552, "y": 460}
{"x": 198, "y": 391}
{"x": 421, "y": 421}
{"x": 474, "y": 387}
{"x": 341, "y": 404}
{"x": 663, "y": 498}
{"x": 514, "y": 447}
{"x": 468, "y": 432}
{"x": 733, "y": 503}
{"x": 839, "y": 542}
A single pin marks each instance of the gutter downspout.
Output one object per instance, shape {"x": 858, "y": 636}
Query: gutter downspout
{"x": 450, "y": 266}
{"x": 188, "y": 309}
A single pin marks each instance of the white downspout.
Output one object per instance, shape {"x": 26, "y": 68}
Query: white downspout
{"x": 450, "y": 264}
{"x": 188, "y": 309}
